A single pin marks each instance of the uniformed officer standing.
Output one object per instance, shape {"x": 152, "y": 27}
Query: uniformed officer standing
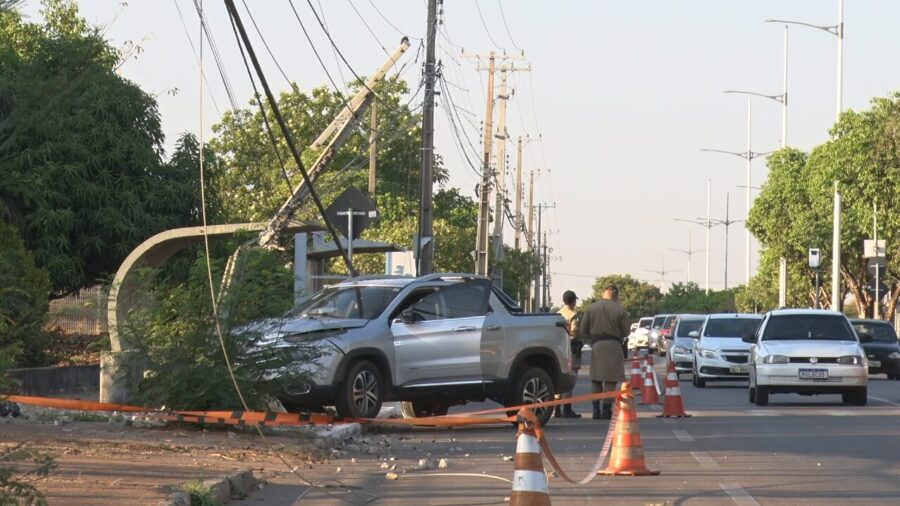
{"x": 605, "y": 326}
{"x": 568, "y": 312}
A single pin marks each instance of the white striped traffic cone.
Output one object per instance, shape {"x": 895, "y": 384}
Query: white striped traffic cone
{"x": 529, "y": 485}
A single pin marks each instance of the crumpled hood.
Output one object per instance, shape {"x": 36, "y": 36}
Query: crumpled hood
{"x": 811, "y": 348}
{"x": 302, "y": 328}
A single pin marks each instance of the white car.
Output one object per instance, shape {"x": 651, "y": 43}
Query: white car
{"x": 719, "y": 352}
{"x": 681, "y": 350}
{"x": 640, "y": 334}
{"x": 809, "y": 352}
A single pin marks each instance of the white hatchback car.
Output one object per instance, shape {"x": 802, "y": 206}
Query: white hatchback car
{"x": 807, "y": 351}
{"x": 719, "y": 352}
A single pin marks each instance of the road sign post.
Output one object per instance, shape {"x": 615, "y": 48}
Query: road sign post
{"x": 875, "y": 250}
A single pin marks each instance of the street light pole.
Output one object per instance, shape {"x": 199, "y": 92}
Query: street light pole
{"x": 838, "y": 31}
{"x": 690, "y": 254}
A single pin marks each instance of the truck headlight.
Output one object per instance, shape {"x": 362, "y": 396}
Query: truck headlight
{"x": 775, "y": 359}
{"x": 850, "y": 360}
{"x": 894, "y": 355}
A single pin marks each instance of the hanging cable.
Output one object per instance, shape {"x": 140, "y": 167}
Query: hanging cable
{"x": 508, "y": 34}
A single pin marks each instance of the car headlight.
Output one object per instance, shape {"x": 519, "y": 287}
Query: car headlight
{"x": 894, "y": 355}
{"x": 681, "y": 350}
{"x": 850, "y": 360}
{"x": 775, "y": 359}
{"x": 706, "y": 353}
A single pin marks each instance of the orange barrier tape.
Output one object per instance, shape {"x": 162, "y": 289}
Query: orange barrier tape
{"x": 268, "y": 418}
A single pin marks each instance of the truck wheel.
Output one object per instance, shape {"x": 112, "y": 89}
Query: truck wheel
{"x": 534, "y": 385}
{"x": 420, "y": 409}
{"x": 361, "y": 393}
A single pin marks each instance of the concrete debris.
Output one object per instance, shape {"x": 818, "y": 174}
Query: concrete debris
{"x": 424, "y": 464}
{"x": 384, "y": 465}
{"x": 392, "y": 476}
{"x": 552, "y": 474}
{"x": 442, "y": 464}
{"x": 507, "y": 458}
{"x": 338, "y": 470}
{"x": 353, "y": 460}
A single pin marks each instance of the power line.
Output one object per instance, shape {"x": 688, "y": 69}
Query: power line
{"x": 488, "y": 32}
{"x": 392, "y": 25}
{"x": 194, "y": 52}
{"x": 266, "y": 44}
{"x": 369, "y": 28}
{"x": 508, "y": 34}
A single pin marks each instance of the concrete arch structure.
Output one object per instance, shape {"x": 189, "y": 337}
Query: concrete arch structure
{"x": 155, "y": 251}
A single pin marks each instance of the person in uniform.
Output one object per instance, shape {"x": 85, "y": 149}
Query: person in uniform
{"x": 605, "y": 326}
{"x": 568, "y": 312}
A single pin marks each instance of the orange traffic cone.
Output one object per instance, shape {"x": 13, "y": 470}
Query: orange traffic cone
{"x": 529, "y": 485}
{"x": 649, "y": 395}
{"x": 627, "y": 455}
{"x": 636, "y": 368}
{"x": 674, "y": 406}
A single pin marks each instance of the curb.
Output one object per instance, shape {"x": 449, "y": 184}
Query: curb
{"x": 334, "y": 436}
{"x": 237, "y": 484}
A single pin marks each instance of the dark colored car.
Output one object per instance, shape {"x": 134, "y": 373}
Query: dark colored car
{"x": 883, "y": 353}
{"x": 666, "y": 334}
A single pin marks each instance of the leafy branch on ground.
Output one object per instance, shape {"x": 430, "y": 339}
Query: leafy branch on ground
{"x": 18, "y": 487}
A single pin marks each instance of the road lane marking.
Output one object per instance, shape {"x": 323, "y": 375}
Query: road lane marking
{"x": 683, "y": 436}
{"x": 705, "y": 460}
{"x": 838, "y": 413}
{"x": 737, "y": 493}
{"x": 879, "y": 399}
{"x": 760, "y": 412}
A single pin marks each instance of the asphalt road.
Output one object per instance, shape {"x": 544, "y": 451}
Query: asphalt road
{"x": 797, "y": 450}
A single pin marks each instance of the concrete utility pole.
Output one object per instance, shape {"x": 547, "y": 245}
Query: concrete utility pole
{"x": 540, "y": 252}
{"x": 545, "y": 286}
{"x": 529, "y": 233}
{"x": 484, "y": 210}
{"x": 519, "y": 222}
{"x": 484, "y": 265}
{"x": 373, "y": 150}
{"x": 425, "y": 241}
{"x": 500, "y": 188}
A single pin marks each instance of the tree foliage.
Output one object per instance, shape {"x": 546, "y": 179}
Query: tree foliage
{"x": 794, "y": 210}
{"x": 80, "y": 149}
{"x": 690, "y": 298}
{"x": 638, "y": 297}
{"x": 519, "y": 269}
{"x": 24, "y": 291}
{"x": 18, "y": 486}
{"x": 178, "y": 343}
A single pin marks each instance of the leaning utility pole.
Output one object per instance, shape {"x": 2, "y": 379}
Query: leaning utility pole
{"x": 519, "y": 190}
{"x": 373, "y": 149}
{"x": 484, "y": 209}
{"x": 425, "y": 242}
{"x": 529, "y": 233}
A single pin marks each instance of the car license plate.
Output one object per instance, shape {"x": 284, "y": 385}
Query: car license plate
{"x": 815, "y": 374}
{"x": 739, "y": 369}
{"x": 874, "y": 363}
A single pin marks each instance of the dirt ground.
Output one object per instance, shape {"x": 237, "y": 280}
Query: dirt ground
{"x": 113, "y": 463}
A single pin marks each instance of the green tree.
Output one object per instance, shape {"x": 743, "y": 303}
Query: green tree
{"x": 690, "y": 298}
{"x": 24, "y": 292}
{"x": 519, "y": 269}
{"x": 794, "y": 209}
{"x": 638, "y": 297}
{"x": 80, "y": 149}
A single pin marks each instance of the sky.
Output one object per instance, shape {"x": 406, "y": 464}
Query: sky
{"x": 620, "y": 99}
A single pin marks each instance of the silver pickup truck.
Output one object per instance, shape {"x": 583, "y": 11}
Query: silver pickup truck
{"x": 433, "y": 342}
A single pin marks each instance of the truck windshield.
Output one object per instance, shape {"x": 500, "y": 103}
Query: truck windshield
{"x": 357, "y": 302}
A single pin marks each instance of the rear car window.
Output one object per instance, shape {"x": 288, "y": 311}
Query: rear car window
{"x": 645, "y": 323}
{"x": 731, "y": 327}
{"x": 658, "y": 321}
{"x": 880, "y": 332}
{"x": 800, "y": 327}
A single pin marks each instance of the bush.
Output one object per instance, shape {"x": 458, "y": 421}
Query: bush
{"x": 24, "y": 302}
{"x": 16, "y": 485}
{"x": 178, "y": 343}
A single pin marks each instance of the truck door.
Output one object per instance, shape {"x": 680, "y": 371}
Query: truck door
{"x": 440, "y": 341}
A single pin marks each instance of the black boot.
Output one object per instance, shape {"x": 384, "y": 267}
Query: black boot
{"x": 596, "y": 410}
{"x": 568, "y": 412}
{"x": 606, "y": 413}
{"x": 557, "y": 412}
